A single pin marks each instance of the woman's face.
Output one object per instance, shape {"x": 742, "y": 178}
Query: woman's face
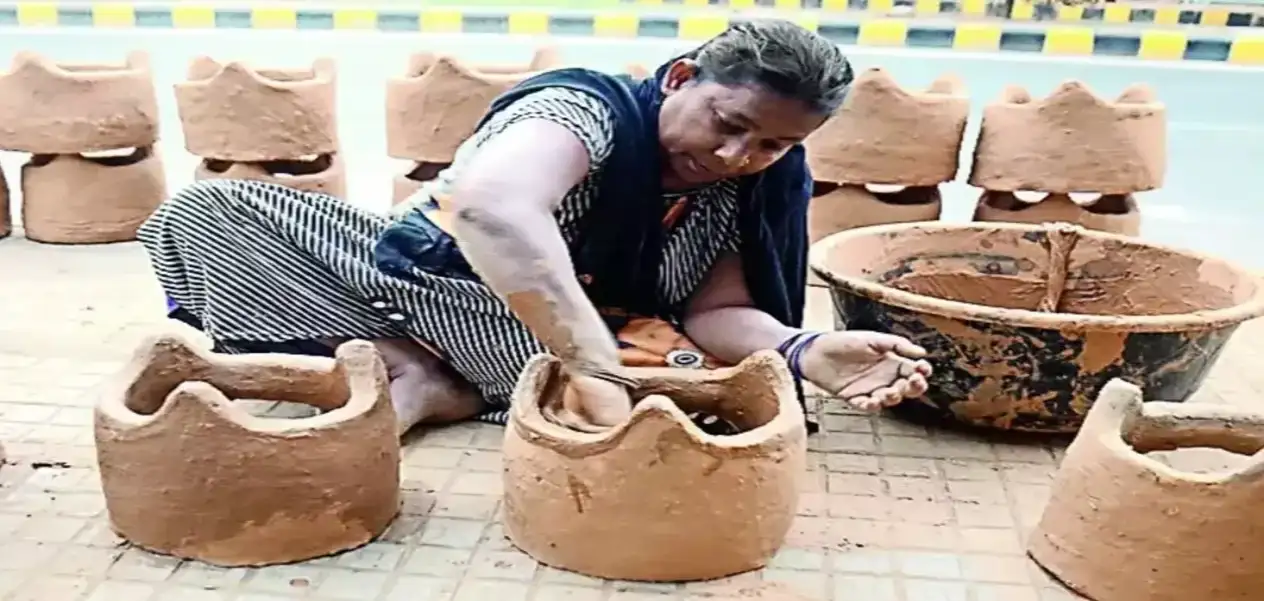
{"x": 712, "y": 132}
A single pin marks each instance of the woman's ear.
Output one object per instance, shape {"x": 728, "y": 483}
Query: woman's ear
{"x": 678, "y": 74}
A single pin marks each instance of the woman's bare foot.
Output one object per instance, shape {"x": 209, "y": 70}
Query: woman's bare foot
{"x": 869, "y": 370}
{"x": 424, "y": 390}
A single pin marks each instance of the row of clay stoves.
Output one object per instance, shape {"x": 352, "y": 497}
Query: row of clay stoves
{"x": 1071, "y": 157}
{"x": 91, "y": 130}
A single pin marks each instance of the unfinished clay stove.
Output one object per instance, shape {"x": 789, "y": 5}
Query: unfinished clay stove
{"x": 882, "y": 156}
{"x": 77, "y": 199}
{"x": 656, "y": 498}
{"x": 1072, "y": 143}
{"x": 52, "y": 108}
{"x": 865, "y": 207}
{"x": 239, "y": 113}
{"x": 325, "y": 173}
{"x": 189, "y": 473}
{"x": 884, "y": 134}
{"x": 1115, "y": 213}
{"x": 1025, "y": 323}
{"x": 437, "y": 104}
{"x": 1122, "y": 526}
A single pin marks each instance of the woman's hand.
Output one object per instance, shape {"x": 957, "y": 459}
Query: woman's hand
{"x": 869, "y": 370}
{"x": 592, "y": 405}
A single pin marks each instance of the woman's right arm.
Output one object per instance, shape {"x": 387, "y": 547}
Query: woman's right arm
{"x": 504, "y": 201}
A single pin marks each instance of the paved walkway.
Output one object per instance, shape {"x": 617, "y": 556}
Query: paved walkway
{"x": 890, "y": 512}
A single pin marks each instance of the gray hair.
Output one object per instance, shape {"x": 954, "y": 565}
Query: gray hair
{"x": 779, "y": 55}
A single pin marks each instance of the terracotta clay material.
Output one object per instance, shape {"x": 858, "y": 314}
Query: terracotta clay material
{"x": 439, "y": 102}
{"x": 1025, "y": 323}
{"x": 1072, "y": 141}
{"x": 884, "y": 134}
{"x": 656, "y": 498}
{"x": 238, "y": 113}
{"x": 187, "y": 472}
{"x": 325, "y": 173}
{"x": 1117, "y": 213}
{"x": 406, "y": 184}
{"x": 74, "y": 199}
{"x": 839, "y": 207}
{"x": 52, "y": 108}
{"x": 1122, "y": 526}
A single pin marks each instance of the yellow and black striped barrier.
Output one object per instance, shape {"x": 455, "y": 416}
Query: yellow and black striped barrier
{"x": 1243, "y": 47}
{"x": 1117, "y": 13}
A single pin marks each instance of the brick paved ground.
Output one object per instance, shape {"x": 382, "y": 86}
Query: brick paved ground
{"x": 890, "y": 512}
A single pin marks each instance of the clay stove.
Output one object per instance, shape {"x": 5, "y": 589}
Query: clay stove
{"x": 438, "y": 103}
{"x": 882, "y": 156}
{"x": 1025, "y": 323}
{"x": 187, "y": 472}
{"x": 91, "y": 130}
{"x": 1072, "y": 157}
{"x": 1121, "y": 526}
{"x": 271, "y": 125}
{"x": 656, "y": 498}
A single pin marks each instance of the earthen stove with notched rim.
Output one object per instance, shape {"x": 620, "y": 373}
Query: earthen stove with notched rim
{"x": 438, "y": 103}
{"x": 188, "y": 473}
{"x": 1071, "y": 157}
{"x": 263, "y": 124}
{"x": 882, "y": 157}
{"x": 1122, "y": 526}
{"x": 1024, "y": 323}
{"x": 92, "y": 129}
{"x": 656, "y": 498}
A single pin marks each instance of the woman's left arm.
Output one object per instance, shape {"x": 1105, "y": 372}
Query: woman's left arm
{"x": 721, "y": 317}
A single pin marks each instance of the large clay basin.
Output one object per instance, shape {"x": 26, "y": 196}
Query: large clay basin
{"x": 969, "y": 293}
{"x": 657, "y": 498}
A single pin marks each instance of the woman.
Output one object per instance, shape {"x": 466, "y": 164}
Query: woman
{"x": 669, "y": 212}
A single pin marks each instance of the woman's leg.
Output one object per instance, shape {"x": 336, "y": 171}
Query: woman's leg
{"x": 264, "y": 268}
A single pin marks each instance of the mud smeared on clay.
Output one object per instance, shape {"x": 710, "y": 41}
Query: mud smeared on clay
{"x": 1012, "y": 347}
{"x": 655, "y": 483}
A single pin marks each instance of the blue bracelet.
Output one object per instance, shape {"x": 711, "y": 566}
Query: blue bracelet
{"x": 794, "y": 347}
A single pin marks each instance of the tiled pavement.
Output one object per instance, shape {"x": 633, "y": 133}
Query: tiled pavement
{"x": 890, "y": 511}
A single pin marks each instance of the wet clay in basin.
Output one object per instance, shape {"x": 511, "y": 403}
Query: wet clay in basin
{"x": 1122, "y": 526}
{"x": 437, "y": 104}
{"x": 235, "y": 112}
{"x": 77, "y": 199}
{"x": 51, "y": 108}
{"x": 187, "y": 472}
{"x": 1025, "y": 323}
{"x": 656, "y": 498}
{"x": 324, "y": 173}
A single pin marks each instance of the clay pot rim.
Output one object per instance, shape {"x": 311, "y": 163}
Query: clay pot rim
{"x": 819, "y": 253}
{"x": 323, "y": 72}
{"x": 1120, "y": 404}
{"x": 361, "y": 364}
{"x": 135, "y": 65}
{"x": 433, "y": 61}
{"x": 529, "y": 420}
